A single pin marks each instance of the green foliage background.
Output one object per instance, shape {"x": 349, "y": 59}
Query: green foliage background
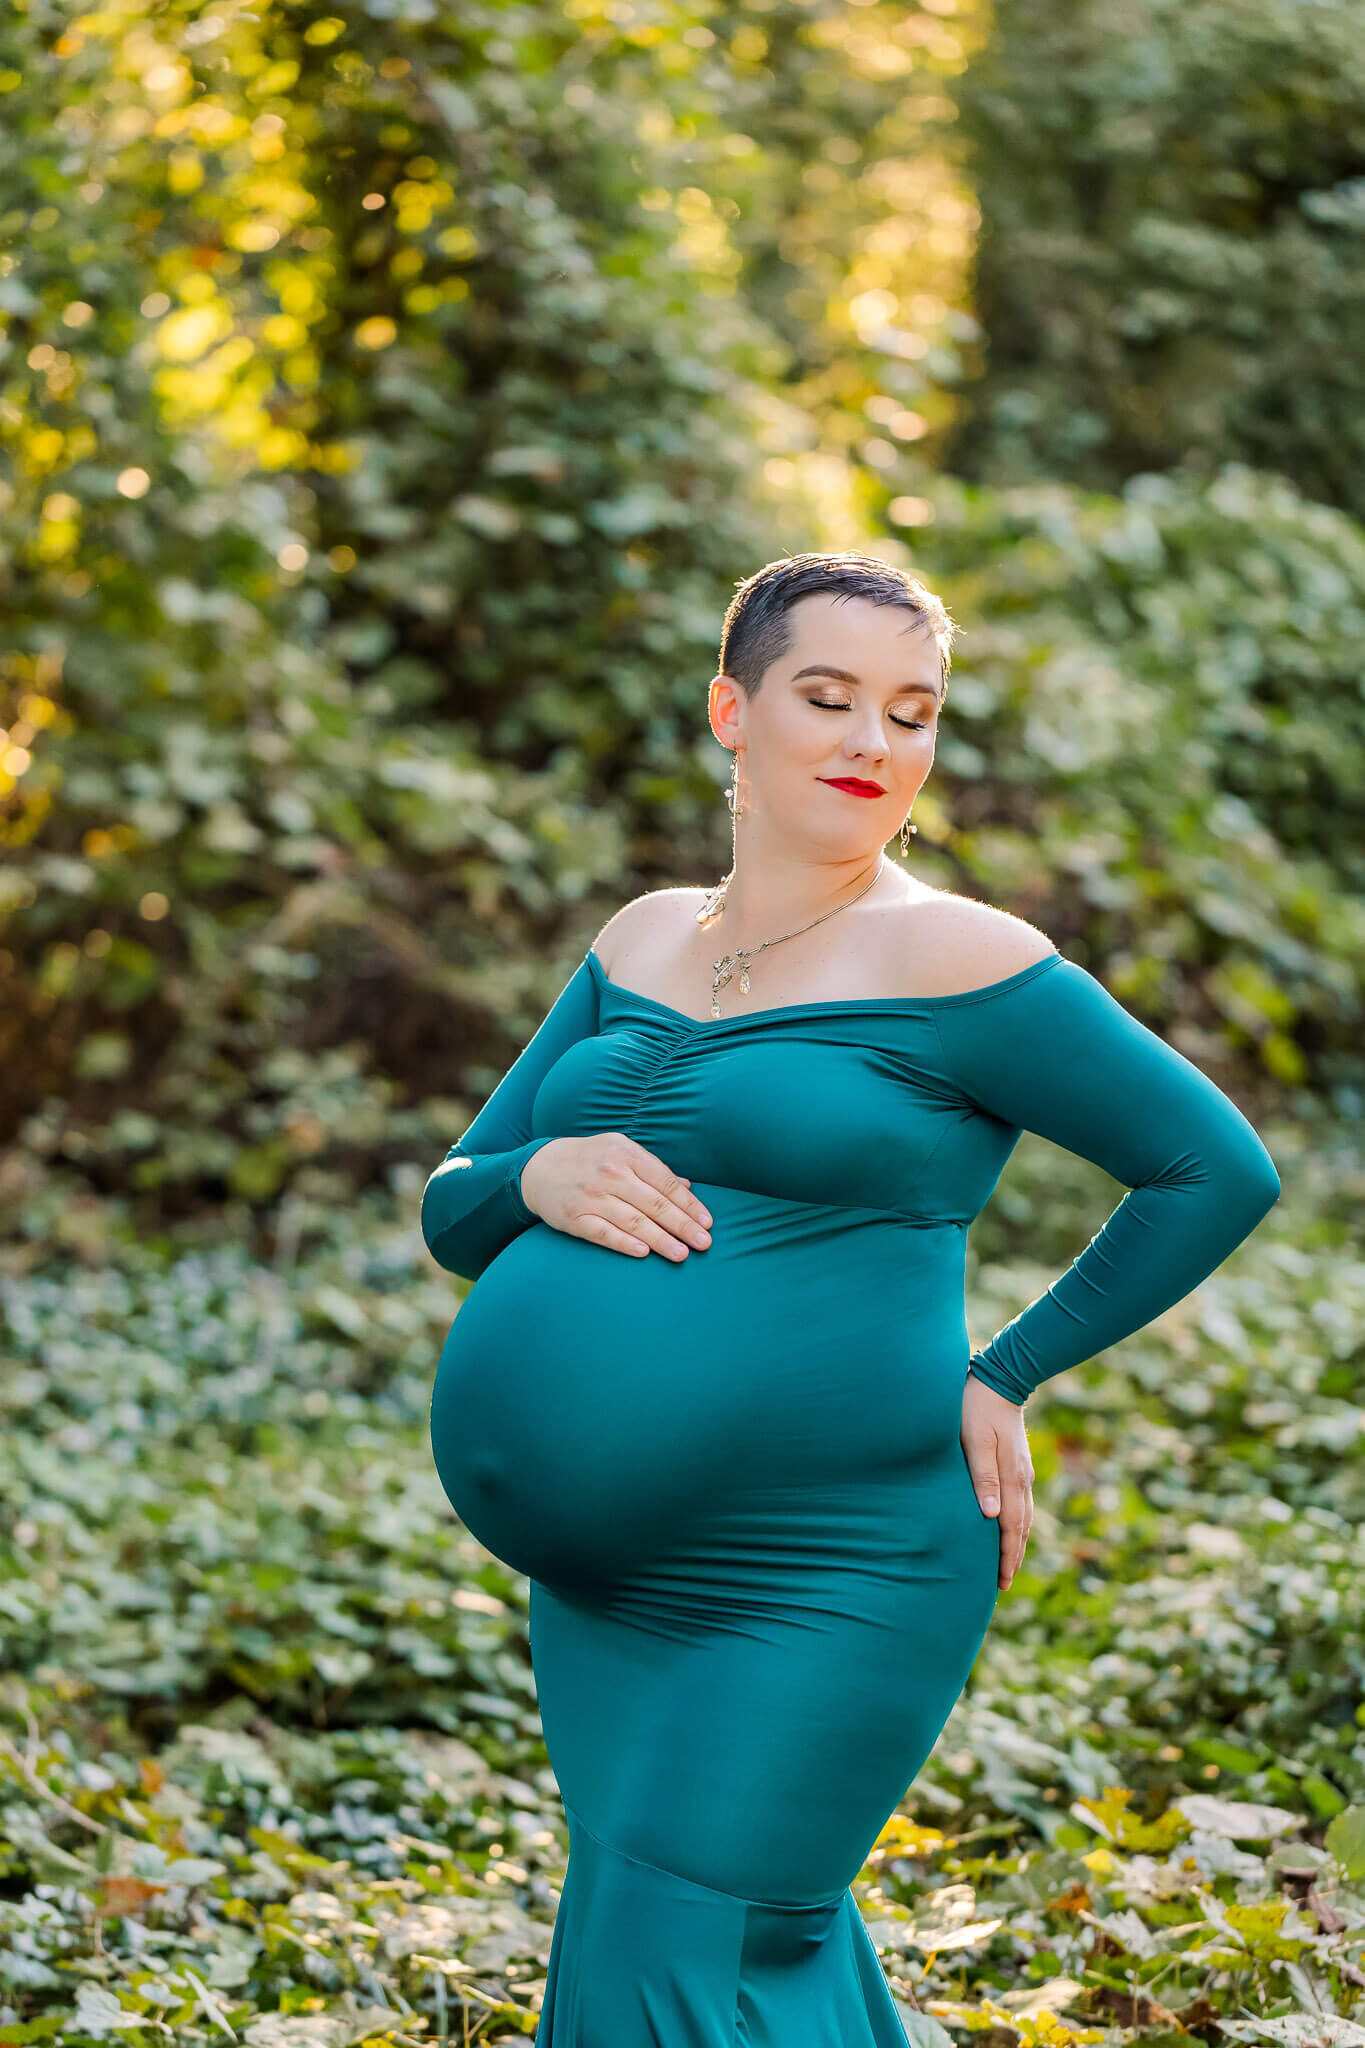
{"x": 1173, "y": 194}
{"x": 389, "y": 400}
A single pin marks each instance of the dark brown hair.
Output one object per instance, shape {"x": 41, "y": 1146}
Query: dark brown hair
{"x": 757, "y": 632}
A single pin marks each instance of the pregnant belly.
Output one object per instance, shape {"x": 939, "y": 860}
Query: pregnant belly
{"x": 590, "y": 1408}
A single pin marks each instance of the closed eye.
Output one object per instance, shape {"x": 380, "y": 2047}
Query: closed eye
{"x": 907, "y": 724}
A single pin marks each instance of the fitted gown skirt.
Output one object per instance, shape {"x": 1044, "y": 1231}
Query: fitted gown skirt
{"x": 759, "y": 1579}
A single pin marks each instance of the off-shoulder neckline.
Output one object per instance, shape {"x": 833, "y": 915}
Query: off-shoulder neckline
{"x": 870, "y": 1003}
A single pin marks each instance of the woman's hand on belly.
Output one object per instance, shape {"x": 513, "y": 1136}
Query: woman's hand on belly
{"x": 615, "y": 1193}
{"x": 996, "y": 1446}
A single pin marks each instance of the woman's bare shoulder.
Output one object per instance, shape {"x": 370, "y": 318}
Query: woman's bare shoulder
{"x": 953, "y": 943}
{"x": 641, "y": 918}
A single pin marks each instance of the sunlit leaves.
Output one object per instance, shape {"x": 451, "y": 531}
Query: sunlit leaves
{"x": 378, "y": 332}
{"x": 185, "y": 335}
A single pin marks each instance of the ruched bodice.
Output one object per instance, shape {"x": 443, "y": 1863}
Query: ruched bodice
{"x": 759, "y": 1571}
{"x": 839, "y": 1105}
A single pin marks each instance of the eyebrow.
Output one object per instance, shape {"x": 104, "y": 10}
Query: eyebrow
{"x": 844, "y": 675}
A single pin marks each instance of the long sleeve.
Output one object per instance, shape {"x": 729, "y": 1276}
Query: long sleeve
{"x": 1058, "y": 1055}
{"x": 472, "y": 1206}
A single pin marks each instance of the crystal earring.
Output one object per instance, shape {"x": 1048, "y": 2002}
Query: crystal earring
{"x": 905, "y": 828}
{"x": 732, "y": 793}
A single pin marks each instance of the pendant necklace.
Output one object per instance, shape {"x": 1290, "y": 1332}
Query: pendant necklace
{"x": 725, "y": 967}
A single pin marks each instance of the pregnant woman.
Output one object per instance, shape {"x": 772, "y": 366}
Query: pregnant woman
{"x": 712, "y": 1390}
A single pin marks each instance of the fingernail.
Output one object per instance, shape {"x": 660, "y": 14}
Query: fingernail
{"x": 990, "y": 1503}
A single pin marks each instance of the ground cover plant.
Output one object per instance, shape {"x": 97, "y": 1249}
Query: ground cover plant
{"x": 270, "y": 1762}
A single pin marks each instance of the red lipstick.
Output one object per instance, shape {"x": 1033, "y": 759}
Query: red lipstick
{"x": 853, "y": 784}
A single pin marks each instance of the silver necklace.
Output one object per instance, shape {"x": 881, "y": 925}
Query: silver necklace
{"x": 742, "y": 955}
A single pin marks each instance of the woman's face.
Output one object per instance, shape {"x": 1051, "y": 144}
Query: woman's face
{"x": 856, "y": 695}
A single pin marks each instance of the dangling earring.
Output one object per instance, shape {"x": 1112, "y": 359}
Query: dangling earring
{"x": 732, "y": 793}
{"x": 907, "y": 827}
{"x": 715, "y": 902}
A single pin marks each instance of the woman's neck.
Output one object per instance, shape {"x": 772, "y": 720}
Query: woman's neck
{"x": 760, "y": 904}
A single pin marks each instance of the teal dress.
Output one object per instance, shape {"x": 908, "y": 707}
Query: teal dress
{"x": 759, "y": 1572}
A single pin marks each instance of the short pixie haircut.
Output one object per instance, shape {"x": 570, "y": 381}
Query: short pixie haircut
{"x": 757, "y": 632}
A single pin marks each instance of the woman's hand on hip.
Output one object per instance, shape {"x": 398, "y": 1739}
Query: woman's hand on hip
{"x": 615, "y": 1193}
{"x": 996, "y": 1444}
